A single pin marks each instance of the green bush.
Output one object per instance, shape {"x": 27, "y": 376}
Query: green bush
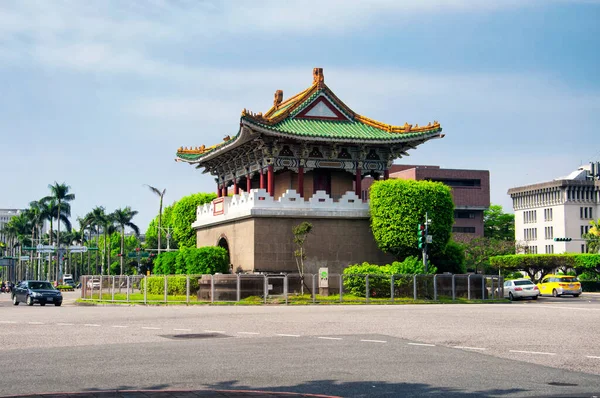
{"x": 452, "y": 259}
{"x": 176, "y": 285}
{"x": 543, "y": 264}
{"x": 380, "y": 276}
{"x": 198, "y": 261}
{"x": 398, "y": 206}
{"x": 590, "y": 286}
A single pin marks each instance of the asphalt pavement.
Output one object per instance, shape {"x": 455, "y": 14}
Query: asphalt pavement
{"x": 525, "y": 348}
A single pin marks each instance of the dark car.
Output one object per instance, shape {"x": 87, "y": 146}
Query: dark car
{"x": 36, "y": 292}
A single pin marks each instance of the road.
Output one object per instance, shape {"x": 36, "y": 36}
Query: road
{"x": 550, "y": 347}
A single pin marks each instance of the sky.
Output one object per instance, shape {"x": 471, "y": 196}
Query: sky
{"x": 99, "y": 95}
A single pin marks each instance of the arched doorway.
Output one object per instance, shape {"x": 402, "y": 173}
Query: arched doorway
{"x": 222, "y": 242}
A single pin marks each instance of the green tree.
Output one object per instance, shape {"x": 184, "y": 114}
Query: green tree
{"x": 60, "y": 194}
{"x": 184, "y": 214}
{"x": 301, "y": 232}
{"x": 123, "y": 218}
{"x": 96, "y": 219}
{"x": 451, "y": 259}
{"x": 479, "y": 250}
{"x": 161, "y": 195}
{"x": 593, "y": 237}
{"x": 167, "y": 223}
{"x": 497, "y": 224}
{"x": 398, "y": 206}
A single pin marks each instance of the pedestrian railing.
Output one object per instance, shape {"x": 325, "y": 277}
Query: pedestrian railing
{"x": 290, "y": 288}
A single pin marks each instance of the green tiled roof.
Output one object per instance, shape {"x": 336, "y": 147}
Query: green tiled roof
{"x": 335, "y": 129}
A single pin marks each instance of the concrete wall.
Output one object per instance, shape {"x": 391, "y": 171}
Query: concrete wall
{"x": 266, "y": 244}
{"x": 240, "y": 238}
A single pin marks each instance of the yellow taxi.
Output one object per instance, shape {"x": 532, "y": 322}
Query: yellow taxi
{"x": 557, "y": 285}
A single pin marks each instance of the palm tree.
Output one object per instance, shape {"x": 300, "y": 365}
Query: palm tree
{"x": 85, "y": 223}
{"x": 161, "y": 195}
{"x": 97, "y": 216}
{"x": 60, "y": 193}
{"x": 123, "y": 218}
{"x": 108, "y": 227}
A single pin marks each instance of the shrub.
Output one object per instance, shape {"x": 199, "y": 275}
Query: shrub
{"x": 542, "y": 264}
{"x": 203, "y": 260}
{"x": 380, "y": 276}
{"x": 176, "y": 285}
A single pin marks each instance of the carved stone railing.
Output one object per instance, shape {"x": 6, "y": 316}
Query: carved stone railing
{"x": 258, "y": 203}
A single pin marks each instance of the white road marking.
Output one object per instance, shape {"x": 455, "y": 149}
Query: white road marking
{"x": 64, "y": 324}
{"x": 214, "y": 331}
{"x": 422, "y": 344}
{"x": 592, "y": 357}
{"x": 330, "y": 338}
{"x": 119, "y": 326}
{"x": 248, "y": 333}
{"x": 570, "y": 308}
{"x": 150, "y": 328}
{"x": 288, "y": 335}
{"x": 35, "y": 323}
{"x": 91, "y": 324}
{"x": 374, "y": 341}
{"x": 533, "y": 352}
{"x": 468, "y": 348}
{"x": 8, "y": 322}
{"x": 184, "y": 330}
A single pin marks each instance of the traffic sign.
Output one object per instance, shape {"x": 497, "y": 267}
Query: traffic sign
{"x": 92, "y": 248}
{"x": 45, "y": 248}
{"x": 78, "y": 249}
{"x": 138, "y": 254}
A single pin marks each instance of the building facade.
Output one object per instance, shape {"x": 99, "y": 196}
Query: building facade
{"x": 303, "y": 160}
{"x": 562, "y": 208}
{"x": 5, "y": 216}
{"x": 470, "y": 193}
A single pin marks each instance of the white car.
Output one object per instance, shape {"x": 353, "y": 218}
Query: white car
{"x": 520, "y": 288}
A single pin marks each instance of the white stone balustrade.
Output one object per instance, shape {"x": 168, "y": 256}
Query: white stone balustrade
{"x": 258, "y": 203}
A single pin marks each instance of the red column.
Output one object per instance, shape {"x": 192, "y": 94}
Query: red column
{"x": 270, "y": 180}
{"x": 224, "y": 194}
{"x": 248, "y": 183}
{"x": 386, "y": 174}
{"x": 262, "y": 179}
{"x": 358, "y": 183}
{"x": 236, "y": 189}
{"x": 301, "y": 181}
{"x": 219, "y": 191}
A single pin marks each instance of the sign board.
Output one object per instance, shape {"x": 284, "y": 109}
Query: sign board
{"x": 324, "y": 277}
{"x": 141, "y": 254}
{"x": 78, "y": 249}
{"x": 24, "y": 258}
{"x": 45, "y": 248}
{"x": 429, "y": 238}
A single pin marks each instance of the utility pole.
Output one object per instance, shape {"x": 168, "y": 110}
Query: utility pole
{"x": 423, "y": 239}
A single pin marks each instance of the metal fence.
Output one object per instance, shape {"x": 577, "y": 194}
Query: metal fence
{"x": 290, "y": 288}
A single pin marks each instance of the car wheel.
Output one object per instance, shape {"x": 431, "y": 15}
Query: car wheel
{"x": 534, "y": 297}
{"x": 42, "y": 303}
{"x": 510, "y": 296}
{"x": 576, "y": 295}
{"x": 555, "y": 293}
{"x": 58, "y": 304}
{"x": 15, "y": 301}
{"x": 29, "y": 301}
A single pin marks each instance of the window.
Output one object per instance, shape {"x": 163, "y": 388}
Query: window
{"x": 464, "y": 230}
{"x": 548, "y": 214}
{"x": 583, "y": 248}
{"x": 549, "y": 249}
{"x": 590, "y": 213}
{"x": 459, "y": 182}
{"x": 463, "y": 214}
{"x": 549, "y": 232}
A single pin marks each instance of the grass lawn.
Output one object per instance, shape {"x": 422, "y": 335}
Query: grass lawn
{"x": 306, "y": 299}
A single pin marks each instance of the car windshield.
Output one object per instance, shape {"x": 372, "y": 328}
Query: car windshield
{"x": 521, "y": 283}
{"x": 41, "y": 286}
{"x": 566, "y": 279}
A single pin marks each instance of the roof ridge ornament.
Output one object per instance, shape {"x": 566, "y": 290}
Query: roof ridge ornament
{"x": 318, "y": 77}
{"x": 278, "y": 98}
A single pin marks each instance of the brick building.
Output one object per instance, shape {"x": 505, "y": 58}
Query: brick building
{"x": 470, "y": 192}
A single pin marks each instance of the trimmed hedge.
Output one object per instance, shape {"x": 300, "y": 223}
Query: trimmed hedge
{"x": 176, "y": 285}
{"x": 542, "y": 264}
{"x": 380, "y": 276}
{"x": 203, "y": 260}
{"x": 398, "y": 206}
{"x": 590, "y": 286}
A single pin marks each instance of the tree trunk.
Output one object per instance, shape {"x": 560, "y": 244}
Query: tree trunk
{"x": 122, "y": 242}
{"x": 160, "y": 223}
